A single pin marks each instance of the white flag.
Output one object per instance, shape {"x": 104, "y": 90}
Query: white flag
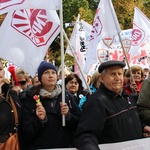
{"x": 26, "y": 36}
{"x": 140, "y": 31}
{"x": 105, "y": 25}
{"x": 78, "y": 44}
{"x": 87, "y": 28}
{"x": 74, "y": 36}
{"x": 9, "y": 5}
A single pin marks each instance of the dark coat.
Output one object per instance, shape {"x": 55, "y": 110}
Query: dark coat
{"x": 49, "y": 134}
{"x": 79, "y": 95}
{"x": 6, "y": 114}
{"x": 143, "y": 102}
{"x": 107, "y": 118}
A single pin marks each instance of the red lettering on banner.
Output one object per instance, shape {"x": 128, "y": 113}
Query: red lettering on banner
{"x": 116, "y": 55}
{"x": 97, "y": 27}
{"x": 140, "y": 59}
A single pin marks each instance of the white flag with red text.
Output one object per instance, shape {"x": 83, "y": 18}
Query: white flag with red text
{"x": 140, "y": 32}
{"x": 105, "y": 25}
{"x": 9, "y": 5}
{"x": 26, "y": 35}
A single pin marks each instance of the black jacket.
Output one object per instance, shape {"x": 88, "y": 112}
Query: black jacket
{"x": 50, "y": 134}
{"x": 108, "y": 118}
{"x": 7, "y": 122}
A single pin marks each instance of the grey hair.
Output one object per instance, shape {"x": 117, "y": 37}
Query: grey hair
{"x": 103, "y": 72}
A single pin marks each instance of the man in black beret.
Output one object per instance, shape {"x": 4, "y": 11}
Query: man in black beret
{"x": 110, "y": 115}
{"x": 111, "y": 63}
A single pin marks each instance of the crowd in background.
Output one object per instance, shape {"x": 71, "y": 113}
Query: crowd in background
{"x": 40, "y": 122}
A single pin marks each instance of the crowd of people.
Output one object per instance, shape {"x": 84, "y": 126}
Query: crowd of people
{"x": 116, "y": 109}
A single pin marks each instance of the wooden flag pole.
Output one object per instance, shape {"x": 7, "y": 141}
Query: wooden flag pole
{"x": 126, "y": 59}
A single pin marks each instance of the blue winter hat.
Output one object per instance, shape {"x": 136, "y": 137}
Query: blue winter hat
{"x": 44, "y": 65}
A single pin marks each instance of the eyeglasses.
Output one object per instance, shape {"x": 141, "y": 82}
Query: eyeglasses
{"x": 22, "y": 82}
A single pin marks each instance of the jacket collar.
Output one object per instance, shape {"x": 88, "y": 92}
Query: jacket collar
{"x": 110, "y": 93}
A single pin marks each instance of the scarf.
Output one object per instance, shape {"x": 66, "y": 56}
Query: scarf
{"x": 57, "y": 90}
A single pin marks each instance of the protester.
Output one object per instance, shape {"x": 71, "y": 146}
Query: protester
{"x": 110, "y": 114}
{"x": 94, "y": 85}
{"x": 23, "y": 79}
{"x": 74, "y": 85}
{"x": 42, "y": 118}
{"x": 35, "y": 80}
{"x": 66, "y": 73}
{"x": 134, "y": 87}
{"x": 7, "y": 122}
{"x": 146, "y": 73}
{"x": 143, "y": 104}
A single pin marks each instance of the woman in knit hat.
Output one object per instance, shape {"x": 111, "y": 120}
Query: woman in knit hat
{"x": 42, "y": 113}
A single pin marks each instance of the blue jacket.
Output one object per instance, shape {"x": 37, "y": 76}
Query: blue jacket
{"x": 84, "y": 98}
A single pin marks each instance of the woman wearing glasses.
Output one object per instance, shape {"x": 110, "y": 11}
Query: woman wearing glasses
{"x": 7, "y": 121}
{"x": 22, "y": 78}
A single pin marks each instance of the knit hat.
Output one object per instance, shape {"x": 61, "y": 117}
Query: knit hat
{"x": 44, "y": 65}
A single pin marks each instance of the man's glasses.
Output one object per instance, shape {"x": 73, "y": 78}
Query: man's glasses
{"x": 22, "y": 82}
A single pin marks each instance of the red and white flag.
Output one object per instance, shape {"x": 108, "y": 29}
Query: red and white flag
{"x": 105, "y": 25}
{"x": 26, "y": 36}
{"x": 9, "y": 5}
{"x": 140, "y": 31}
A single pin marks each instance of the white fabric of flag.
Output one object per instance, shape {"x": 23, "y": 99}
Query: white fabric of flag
{"x": 26, "y": 36}
{"x": 78, "y": 44}
{"x": 105, "y": 25}
{"x": 11, "y": 5}
{"x": 87, "y": 28}
{"x": 140, "y": 31}
{"x": 73, "y": 41}
{"x": 80, "y": 51}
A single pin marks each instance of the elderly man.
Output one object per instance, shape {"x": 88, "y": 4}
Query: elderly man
{"x": 110, "y": 114}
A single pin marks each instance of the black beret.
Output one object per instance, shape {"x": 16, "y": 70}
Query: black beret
{"x": 110, "y": 63}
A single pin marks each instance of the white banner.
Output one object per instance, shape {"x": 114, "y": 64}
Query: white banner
{"x": 11, "y": 5}
{"x": 102, "y": 28}
{"x": 26, "y": 36}
{"x": 140, "y": 31}
{"x": 141, "y": 144}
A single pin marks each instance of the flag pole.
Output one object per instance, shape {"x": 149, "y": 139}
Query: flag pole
{"x": 110, "y": 4}
{"x": 77, "y": 61}
{"x": 126, "y": 59}
{"x": 62, "y": 59}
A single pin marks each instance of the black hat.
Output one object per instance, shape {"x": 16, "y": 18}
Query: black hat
{"x": 43, "y": 67}
{"x": 110, "y": 63}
